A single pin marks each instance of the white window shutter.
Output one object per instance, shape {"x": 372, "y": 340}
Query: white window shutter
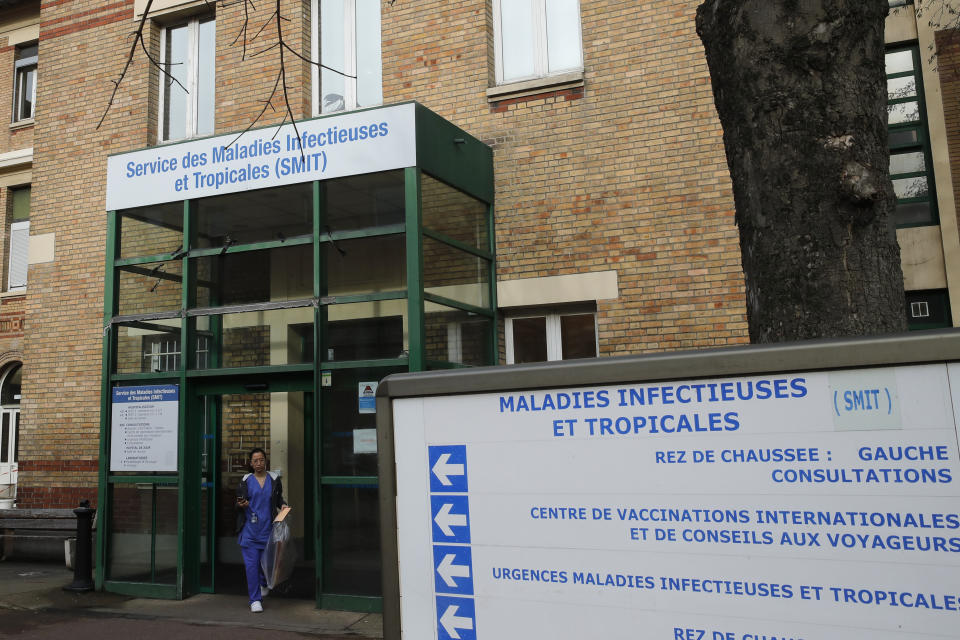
{"x": 19, "y": 248}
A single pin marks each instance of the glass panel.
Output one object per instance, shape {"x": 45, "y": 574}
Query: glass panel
{"x": 913, "y": 213}
{"x": 927, "y": 309}
{"x": 911, "y": 187}
{"x": 131, "y": 532}
{"x": 26, "y": 79}
{"x": 149, "y": 288}
{"x": 150, "y": 231}
{"x": 135, "y": 508}
{"x": 903, "y": 112}
{"x": 256, "y": 338}
{"x": 578, "y": 337}
{"x": 29, "y": 51}
{"x": 361, "y": 202}
{"x": 10, "y": 394}
{"x": 206, "y": 66}
{"x": 275, "y": 423}
{"x": 21, "y": 203}
{"x": 529, "y": 340}
{"x": 274, "y": 275}
{"x": 366, "y": 265}
{"x": 911, "y": 162}
{"x": 454, "y": 213}
{"x": 903, "y": 137}
{"x": 563, "y": 35}
{"x": 905, "y": 87}
{"x": 152, "y": 346}
{"x": 369, "y": 66}
{"x": 176, "y": 65}
{"x": 366, "y": 330}
{"x": 455, "y": 274}
{"x": 168, "y": 526}
{"x": 899, "y": 61}
{"x": 255, "y": 216}
{"x": 457, "y": 336}
{"x": 5, "y": 444}
{"x": 351, "y": 541}
{"x": 349, "y": 425}
{"x": 517, "y": 38}
{"x": 332, "y": 83}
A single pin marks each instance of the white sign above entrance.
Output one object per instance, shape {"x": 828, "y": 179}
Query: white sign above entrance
{"x": 330, "y": 147}
{"x": 813, "y": 505}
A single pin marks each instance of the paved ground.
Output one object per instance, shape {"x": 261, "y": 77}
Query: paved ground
{"x": 34, "y": 605}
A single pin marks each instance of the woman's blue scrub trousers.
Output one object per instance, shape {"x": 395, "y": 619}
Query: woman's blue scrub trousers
{"x": 255, "y": 577}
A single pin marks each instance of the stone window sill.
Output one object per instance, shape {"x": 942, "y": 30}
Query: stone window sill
{"x": 21, "y": 124}
{"x": 535, "y": 86}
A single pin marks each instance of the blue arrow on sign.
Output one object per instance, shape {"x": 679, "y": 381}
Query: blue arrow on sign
{"x": 453, "y": 570}
{"x": 451, "y": 518}
{"x": 456, "y": 619}
{"x": 448, "y": 469}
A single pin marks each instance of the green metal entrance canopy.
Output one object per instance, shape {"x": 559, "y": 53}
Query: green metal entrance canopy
{"x": 257, "y": 289}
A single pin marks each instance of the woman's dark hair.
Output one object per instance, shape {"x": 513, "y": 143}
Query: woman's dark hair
{"x": 257, "y": 450}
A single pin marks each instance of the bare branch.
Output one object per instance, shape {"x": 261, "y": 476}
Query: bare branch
{"x": 133, "y": 49}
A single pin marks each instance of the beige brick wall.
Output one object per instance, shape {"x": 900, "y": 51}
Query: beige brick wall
{"x": 626, "y": 172}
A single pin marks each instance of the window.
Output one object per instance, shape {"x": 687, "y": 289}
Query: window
{"x": 911, "y": 169}
{"x": 9, "y": 427}
{"x": 161, "y": 353}
{"x": 536, "y": 38}
{"x": 556, "y": 335}
{"x": 351, "y": 71}
{"x": 187, "y": 60}
{"x": 928, "y": 310}
{"x": 19, "y": 239}
{"x": 25, "y": 82}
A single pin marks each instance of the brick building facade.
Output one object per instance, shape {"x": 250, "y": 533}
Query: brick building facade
{"x": 614, "y": 225}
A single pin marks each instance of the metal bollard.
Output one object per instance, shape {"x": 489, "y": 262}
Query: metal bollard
{"x": 83, "y": 564}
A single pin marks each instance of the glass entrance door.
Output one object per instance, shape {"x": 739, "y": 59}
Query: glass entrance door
{"x": 233, "y": 420}
{"x": 349, "y": 507}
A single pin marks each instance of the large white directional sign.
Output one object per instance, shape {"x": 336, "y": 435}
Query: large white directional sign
{"x": 809, "y": 506}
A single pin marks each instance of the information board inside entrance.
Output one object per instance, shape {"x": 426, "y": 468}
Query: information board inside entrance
{"x": 143, "y": 431}
{"x": 816, "y": 505}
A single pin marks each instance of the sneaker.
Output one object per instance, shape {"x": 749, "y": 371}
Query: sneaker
{"x": 264, "y": 591}
{"x": 256, "y": 607}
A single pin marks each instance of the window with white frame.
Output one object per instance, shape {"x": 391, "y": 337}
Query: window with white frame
{"x": 536, "y": 38}
{"x": 351, "y": 67}
{"x": 187, "y": 64}
{"x": 24, "y": 82}
{"x": 557, "y": 334}
{"x": 162, "y": 353}
{"x": 18, "y": 241}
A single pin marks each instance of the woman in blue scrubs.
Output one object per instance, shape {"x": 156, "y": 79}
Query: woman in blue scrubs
{"x": 259, "y": 498}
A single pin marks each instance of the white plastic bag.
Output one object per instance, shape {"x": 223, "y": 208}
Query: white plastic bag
{"x": 279, "y": 555}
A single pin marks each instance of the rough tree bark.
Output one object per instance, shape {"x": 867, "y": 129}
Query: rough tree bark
{"x": 801, "y": 92}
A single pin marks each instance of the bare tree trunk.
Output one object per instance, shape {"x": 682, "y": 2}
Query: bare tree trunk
{"x": 801, "y": 92}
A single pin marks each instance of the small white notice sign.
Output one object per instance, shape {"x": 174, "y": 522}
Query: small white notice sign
{"x": 144, "y": 428}
{"x": 364, "y": 441}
